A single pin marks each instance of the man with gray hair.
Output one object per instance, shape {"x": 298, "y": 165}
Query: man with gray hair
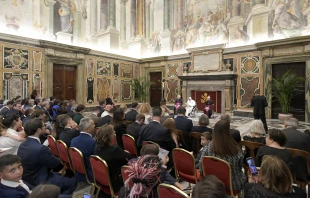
{"x": 86, "y": 144}
{"x": 234, "y": 132}
{"x": 295, "y": 138}
{"x": 46, "y": 106}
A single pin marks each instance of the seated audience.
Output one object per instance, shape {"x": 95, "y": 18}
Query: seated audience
{"x": 131, "y": 115}
{"x": 46, "y": 107}
{"x": 146, "y": 109}
{"x": 119, "y": 126}
{"x": 58, "y": 128}
{"x": 106, "y": 119}
{"x": 124, "y": 108}
{"x": 10, "y": 138}
{"x": 295, "y": 138}
{"x": 47, "y": 191}
{"x": 206, "y": 138}
{"x": 55, "y": 107}
{"x": 28, "y": 113}
{"x": 86, "y": 144}
{"x": 145, "y": 177}
{"x": 72, "y": 112}
{"x": 209, "y": 187}
{"x": 114, "y": 156}
{"x": 170, "y": 124}
{"x": 17, "y": 109}
{"x": 71, "y": 104}
{"x": 40, "y": 113}
{"x": 38, "y": 103}
{"x": 79, "y": 113}
{"x": 203, "y": 125}
{"x": 70, "y": 130}
{"x": 62, "y": 109}
{"x": 11, "y": 172}
{"x": 94, "y": 115}
{"x": 157, "y": 133}
{"x": 8, "y": 105}
{"x": 134, "y": 128}
{"x": 106, "y": 110}
{"x": 234, "y": 132}
{"x": 257, "y": 132}
{"x": 185, "y": 125}
{"x": 165, "y": 110}
{"x": 274, "y": 180}
{"x": 224, "y": 147}
{"x": 275, "y": 141}
{"x": 37, "y": 160}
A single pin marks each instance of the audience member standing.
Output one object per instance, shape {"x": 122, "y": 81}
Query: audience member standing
{"x": 108, "y": 100}
{"x": 86, "y": 144}
{"x": 134, "y": 128}
{"x": 37, "y": 160}
{"x": 259, "y": 103}
{"x": 38, "y": 103}
{"x": 131, "y": 115}
{"x": 185, "y": 125}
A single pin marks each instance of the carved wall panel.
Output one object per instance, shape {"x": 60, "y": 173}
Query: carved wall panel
{"x": 90, "y": 66}
{"x": 37, "y": 61}
{"x": 15, "y": 85}
{"x": 37, "y": 82}
{"x": 126, "y": 90}
{"x": 250, "y": 65}
{"x": 116, "y": 88}
{"x": 103, "y": 68}
{"x": 90, "y": 90}
{"x": 115, "y": 69}
{"x": 172, "y": 90}
{"x": 15, "y": 58}
{"x": 136, "y": 72}
{"x": 172, "y": 70}
{"x": 126, "y": 71}
{"x": 249, "y": 87}
{"x": 103, "y": 88}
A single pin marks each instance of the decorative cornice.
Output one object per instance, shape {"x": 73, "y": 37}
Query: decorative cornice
{"x": 154, "y": 59}
{"x": 287, "y": 41}
{"x": 179, "y": 56}
{"x": 113, "y": 56}
{"x": 230, "y": 50}
{"x": 64, "y": 47}
{"x": 206, "y": 48}
{"x": 19, "y": 40}
{"x": 209, "y": 77}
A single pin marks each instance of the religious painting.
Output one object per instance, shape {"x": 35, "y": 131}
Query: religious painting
{"x": 172, "y": 70}
{"x": 103, "y": 88}
{"x": 37, "y": 83}
{"x": 15, "y": 85}
{"x": 64, "y": 16}
{"x": 15, "y": 58}
{"x": 90, "y": 65}
{"x": 126, "y": 90}
{"x": 126, "y": 70}
{"x": 103, "y": 68}
{"x": 250, "y": 65}
{"x": 37, "y": 61}
{"x": 249, "y": 87}
{"x": 90, "y": 90}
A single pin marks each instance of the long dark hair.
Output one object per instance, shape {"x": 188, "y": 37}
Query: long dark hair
{"x": 222, "y": 142}
{"x": 118, "y": 116}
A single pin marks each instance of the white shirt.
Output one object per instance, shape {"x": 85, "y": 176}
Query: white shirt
{"x": 7, "y": 142}
{"x": 191, "y": 103}
{"x": 105, "y": 113}
{"x": 14, "y": 184}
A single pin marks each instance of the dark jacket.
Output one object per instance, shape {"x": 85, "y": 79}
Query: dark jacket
{"x": 185, "y": 125}
{"x": 259, "y": 103}
{"x": 201, "y": 129}
{"x": 297, "y": 139}
{"x": 4, "y": 111}
{"x": 18, "y": 192}
{"x": 104, "y": 120}
{"x": 71, "y": 114}
{"x": 77, "y": 118}
{"x": 134, "y": 130}
{"x": 120, "y": 129}
{"x": 68, "y": 134}
{"x": 131, "y": 115}
{"x": 235, "y": 135}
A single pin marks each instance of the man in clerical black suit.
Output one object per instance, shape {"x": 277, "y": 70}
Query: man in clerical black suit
{"x": 259, "y": 103}
{"x": 178, "y": 102}
{"x": 131, "y": 115}
{"x": 157, "y": 133}
{"x": 134, "y": 128}
{"x": 185, "y": 125}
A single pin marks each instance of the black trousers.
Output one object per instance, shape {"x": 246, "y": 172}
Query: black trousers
{"x": 262, "y": 117}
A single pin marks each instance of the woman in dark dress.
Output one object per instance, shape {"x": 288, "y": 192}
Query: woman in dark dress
{"x": 274, "y": 181}
{"x": 114, "y": 156}
{"x": 119, "y": 125}
{"x": 208, "y": 109}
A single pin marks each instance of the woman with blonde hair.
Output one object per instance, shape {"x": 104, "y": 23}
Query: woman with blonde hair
{"x": 146, "y": 109}
{"x": 257, "y": 132}
{"x": 170, "y": 124}
{"x": 124, "y": 108}
{"x": 274, "y": 180}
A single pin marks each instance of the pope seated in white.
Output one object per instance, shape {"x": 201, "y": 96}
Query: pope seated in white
{"x": 189, "y": 106}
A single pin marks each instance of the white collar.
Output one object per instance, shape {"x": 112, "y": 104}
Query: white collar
{"x": 86, "y": 133}
{"x": 33, "y": 137}
{"x": 14, "y": 184}
{"x": 95, "y": 114}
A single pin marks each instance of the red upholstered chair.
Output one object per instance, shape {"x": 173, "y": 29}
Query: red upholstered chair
{"x": 221, "y": 169}
{"x": 78, "y": 164}
{"x": 64, "y": 155}
{"x": 125, "y": 175}
{"x": 114, "y": 141}
{"x": 53, "y": 146}
{"x": 169, "y": 191}
{"x": 184, "y": 165}
{"x": 101, "y": 176}
{"x": 130, "y": 144}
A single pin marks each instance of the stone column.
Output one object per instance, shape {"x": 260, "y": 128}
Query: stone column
{"x": 93, "y": 18}
{"x": 166, "y": 15}
{"x": 140, "y": 18}
{"x": 104, "y": 15}
{"x": 123, "y": 20}
{"x": 50, "y": 5}
{"x": 147, "y": 20}
{"x": 152, "y": 18}
{"x": 77, "y": 27}
{"x": 133, "y": 18}
{"x": 112, "y": 14}
{"x": 180, "y": 15}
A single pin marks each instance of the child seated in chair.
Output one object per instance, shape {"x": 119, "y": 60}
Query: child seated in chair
{"x": 11, "y": 172}
{"x": 206, "y": 138}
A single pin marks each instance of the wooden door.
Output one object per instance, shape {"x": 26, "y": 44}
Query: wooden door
{"x": 156, "y": 88}
{"x": 298, "y": 102}
{"x": 64, "y": 82}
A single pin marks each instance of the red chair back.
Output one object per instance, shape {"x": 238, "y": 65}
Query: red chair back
{"x": 169, "y": 191}
{"x": 52, "y": 144}
{"x": 78, "y": 164}
{"x": 221, "y": 169}
{"x": 101, "y": 174}
{"x": 184, "y": 165}
{"x": 63, "y": 154}
{"x": 125, "y": 176}
{"x": 130, "y": 144}
{"x": 114, "y": 141}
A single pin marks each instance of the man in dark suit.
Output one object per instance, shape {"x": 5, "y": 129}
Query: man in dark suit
{"x": 131, "y": 115}
{"x": 8, "y": 106}
{"x": 86, "y": 144}
{"x": 37, "y": 160}
{"x": 46, "y": 107}
{"x": 69, "y": 132}
{"x": 259, "y": 103}
{"x": 134, "y": 128}
{"x": 72, "y": 112}
{"x": 185, "y": 125}
{"x": 157, "y": 133}
{"x": 295, "y": 138}
{"x": 95, "y": 113}
{"x": 106, "y": 119}
{"x": 38, "y": 103}
{"x": 17, "y": 109}
{"x": 234, "y": 132}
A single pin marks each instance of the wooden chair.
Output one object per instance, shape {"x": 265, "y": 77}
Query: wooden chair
{"x": 53, "y": 146}
{"x": 196, "y": 136}
{"x": 64, "y": 156}
{"x": 184, "y": 166}
{"x": 252, "y": 147}
{"x": 78, "y": 165}
{"x": 169, "y": 191}
{"x": 181, "y": 137}
{"x": 130, "y": 144}
{"x": 101, "y": 176}
{"x": 295, "y": 153}
{"x": 221, "y": 169}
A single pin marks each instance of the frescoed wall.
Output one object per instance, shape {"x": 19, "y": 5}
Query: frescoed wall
{"x": 147, "y": 28}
